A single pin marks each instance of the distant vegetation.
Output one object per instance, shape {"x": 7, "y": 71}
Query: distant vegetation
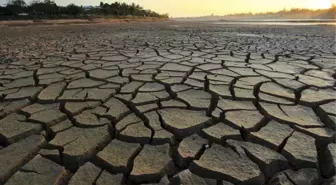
{"x": 294, "y": 13}
{"x": 18, "y": 9}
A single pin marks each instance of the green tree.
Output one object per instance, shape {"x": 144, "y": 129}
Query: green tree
{"x": 16, "y": 6}
{"x": 73, "y": 9}
{"x": 47, "y": 8}
{"x": 20, "y": 3}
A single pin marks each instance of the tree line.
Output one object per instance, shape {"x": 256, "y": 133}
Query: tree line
{"x": 302, "y": 13}
{"x": 48, "y": 8}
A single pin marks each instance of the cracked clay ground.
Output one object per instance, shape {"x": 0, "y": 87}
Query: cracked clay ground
{"x": 167, "y": 103}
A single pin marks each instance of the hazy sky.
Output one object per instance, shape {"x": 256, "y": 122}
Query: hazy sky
{"x": 207, "y": 7}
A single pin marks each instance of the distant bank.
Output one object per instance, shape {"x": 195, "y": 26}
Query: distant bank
{"x": 48, "y": 9}
{"x": 55, "y": 22}
{"x": 293, "y": 15}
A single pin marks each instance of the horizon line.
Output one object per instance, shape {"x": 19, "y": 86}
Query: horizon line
{"x": 287, "y": 9}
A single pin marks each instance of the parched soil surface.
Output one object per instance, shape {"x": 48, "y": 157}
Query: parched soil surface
{"x": 167, "y": 103}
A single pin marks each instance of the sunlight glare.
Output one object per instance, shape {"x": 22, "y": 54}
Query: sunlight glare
{"x": 333, "y": 2}
{"x": 324, "y": 3}
{"x": 319, "y": 4}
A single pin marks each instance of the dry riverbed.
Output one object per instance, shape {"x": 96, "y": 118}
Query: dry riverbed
{"x": 167, "y": 103}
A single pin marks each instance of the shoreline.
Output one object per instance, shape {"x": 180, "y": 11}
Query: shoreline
{"x": 90, "y": 20}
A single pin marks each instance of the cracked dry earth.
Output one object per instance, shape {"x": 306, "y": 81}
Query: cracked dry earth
{"x": 167, "y": 103}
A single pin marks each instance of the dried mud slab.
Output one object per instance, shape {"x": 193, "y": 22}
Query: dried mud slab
{"x": 167, "y": 103}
